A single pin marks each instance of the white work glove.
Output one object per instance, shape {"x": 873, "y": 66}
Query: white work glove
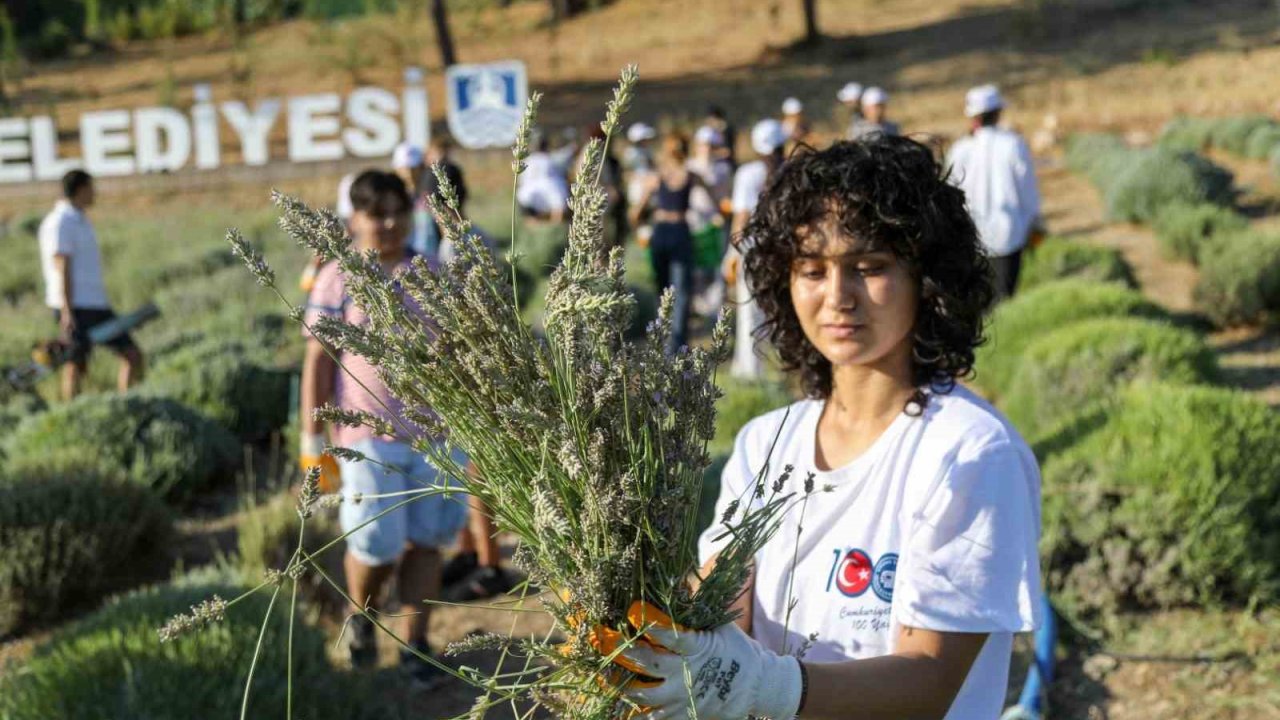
{"x": 310, "y": 444}
{"x": 730, "y": 675}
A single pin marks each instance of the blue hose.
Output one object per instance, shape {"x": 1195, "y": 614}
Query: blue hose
{"x": 1040, "y": 676}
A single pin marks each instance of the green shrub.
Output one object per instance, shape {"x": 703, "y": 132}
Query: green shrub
{"x": 1262, "y": 141}
{"x": 112, "y": 665}
{"x": 1183, "y": 229}
{"x": 156, "y": 442}
{"x": 20, "y": 272}
{"x": 1086, "y": 152}
{"x": 71, "y": 530}
{"x": 267, "y": 535}
{"x": 1187, "y": 133}
{"x": 1083, "y": 363}
{"x": 742, "y": 401}
{"x": 1232, "y": 134}
{"x": 15, "y": 409}
{"x": 1172, "y": 497}
{"x": 1157, "y": 177}
{"x": 540, "y": 247}
{"x": 1240, "y": 278}
{"x": 1016, "y": 322}
{"x": 230, "y": 383}
{"x": 1058, "y": 258}
{"x": 54, "y": 40}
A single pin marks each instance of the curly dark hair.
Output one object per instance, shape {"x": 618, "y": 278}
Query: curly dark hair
{"x": 892, "y": 193}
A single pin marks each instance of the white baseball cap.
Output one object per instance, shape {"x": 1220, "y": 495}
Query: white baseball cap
{"x": 874, "y": 96}
{"x": 767, "y": 136}
{"x": 406, "y": 156}
{"x": 792, "y": 106}
{"x": 709, "y": 135}
{"x": 982, "y": 100}
{"x": 639, "y": 132}
{"x": 849, "y": 93}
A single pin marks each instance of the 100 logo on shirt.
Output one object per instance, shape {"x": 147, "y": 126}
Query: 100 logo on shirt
{"x": 853, "y": 572}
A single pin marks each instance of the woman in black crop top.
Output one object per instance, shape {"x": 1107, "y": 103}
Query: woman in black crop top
{"x": 671, "y": 246}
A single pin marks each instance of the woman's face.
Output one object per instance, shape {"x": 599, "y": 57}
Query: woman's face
{"x": 855, "y": 305}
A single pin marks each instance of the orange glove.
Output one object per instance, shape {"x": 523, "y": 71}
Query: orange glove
{"x": 308, "y": 278}
{"x": 730, "y": 268}
{"x": 311, "y": 454}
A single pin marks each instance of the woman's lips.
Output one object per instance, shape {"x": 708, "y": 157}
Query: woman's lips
{"x": 842, "y": 330}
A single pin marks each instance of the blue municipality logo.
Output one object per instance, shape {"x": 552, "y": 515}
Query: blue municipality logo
{"x": 882, "y": 576}
{"x": 485, "y": 102}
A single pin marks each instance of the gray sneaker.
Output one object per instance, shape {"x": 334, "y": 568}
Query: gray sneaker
{"x": 422, "y": 674}
{"x": 362, "y": 642}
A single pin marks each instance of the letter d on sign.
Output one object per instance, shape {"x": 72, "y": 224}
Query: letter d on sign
{"x": 149, "y": 125}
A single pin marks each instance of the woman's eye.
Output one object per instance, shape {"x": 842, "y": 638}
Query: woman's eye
{"x": 812, "y": 273}
{"x": 870, "y": 269}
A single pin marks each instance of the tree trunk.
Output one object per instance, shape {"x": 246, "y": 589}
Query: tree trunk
{"x": 564, "y": 9}
{"x": 441, "y": 19}
{"x": 811, "y": 33}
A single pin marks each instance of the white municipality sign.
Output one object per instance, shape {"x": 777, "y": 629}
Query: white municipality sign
{"x": 369, "y": 122}
{"x": 485, "y": 102}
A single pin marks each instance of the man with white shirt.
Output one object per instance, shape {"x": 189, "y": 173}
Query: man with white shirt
{"x": 73, "y": 284}
{"x": 871, "y": 120}
{"x": 994, "y": 169}
{"x": 542, "y": 190}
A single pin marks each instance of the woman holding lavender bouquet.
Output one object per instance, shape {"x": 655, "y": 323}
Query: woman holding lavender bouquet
{"x": 905, "y": 582}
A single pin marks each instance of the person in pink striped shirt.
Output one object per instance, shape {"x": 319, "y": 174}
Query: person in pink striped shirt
{"x": 405, "y": 542}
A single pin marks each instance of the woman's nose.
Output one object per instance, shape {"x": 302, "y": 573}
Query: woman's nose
{"x": 843, "y": 290}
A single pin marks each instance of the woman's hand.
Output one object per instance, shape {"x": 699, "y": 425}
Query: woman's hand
{"x": 729, "y": 675}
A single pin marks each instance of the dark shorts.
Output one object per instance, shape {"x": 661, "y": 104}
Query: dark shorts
{"x": 86, "y": 319}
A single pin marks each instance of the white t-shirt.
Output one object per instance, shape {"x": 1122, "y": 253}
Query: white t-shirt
{"x": 994, "y": 168}
{"x": 935, "y": 526}
{"x": 66, "y": 231}
{"x": 542, "y": 186}
{"x": 748, "y": 183}
{"x": 344, "y": 209}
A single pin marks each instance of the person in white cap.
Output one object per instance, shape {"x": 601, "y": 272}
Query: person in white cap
{"x": 709, "y": 211}
{"x": 995, "y": 169}
{"x": 638, "y": 163}
{"x": 639, "y": 154}
{"x": 542, "y": 192}
{"x": 408, "y": 162}
{"x": 850, "y": 97}
{"x": 794, "y": 123}
{"x": 768, "y": 138}
{"x": 874, "y": 102}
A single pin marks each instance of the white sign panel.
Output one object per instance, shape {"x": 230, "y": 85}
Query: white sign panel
{"x": 485, "y": 102}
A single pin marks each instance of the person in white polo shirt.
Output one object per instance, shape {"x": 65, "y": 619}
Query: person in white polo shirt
{"x": 794, "y": 123}
{"x": 993, "y": 167}
{"x": 850, "y": 98}
{"x": 909, "y": 570}
{"x": 768, "y": 140}
{"x": 875, "y": 103}
{"x": 73, "y": 285}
